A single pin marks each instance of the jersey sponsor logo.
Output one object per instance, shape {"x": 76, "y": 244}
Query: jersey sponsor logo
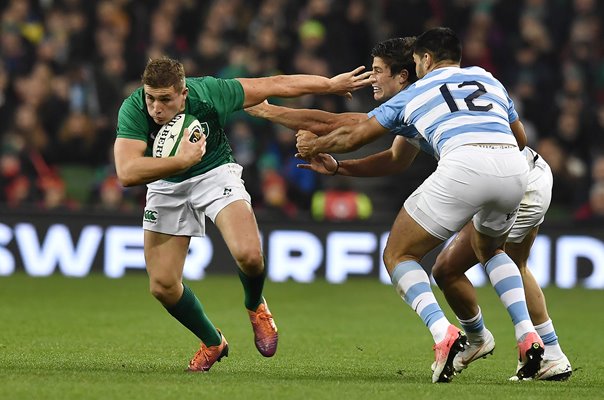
{"x": 150, "y": 216}
{"x": 227, "y": 192}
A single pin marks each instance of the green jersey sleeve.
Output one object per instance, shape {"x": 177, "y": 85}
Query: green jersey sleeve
{"x": 132, "y": 122}
{"x": 225, "y": 95}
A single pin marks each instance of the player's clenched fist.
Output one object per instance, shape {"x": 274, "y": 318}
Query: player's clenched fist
{"x": 189, "y": 152}
{"x": 305, "y": 143}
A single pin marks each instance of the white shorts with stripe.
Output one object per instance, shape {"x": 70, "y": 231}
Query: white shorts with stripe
{"x": 536, "y": 200}
{"x": 484, "y": 183}
{"x": 180, "y": 208}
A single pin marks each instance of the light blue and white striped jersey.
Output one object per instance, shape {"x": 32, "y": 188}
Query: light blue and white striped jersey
{"x": 450, "y": 107}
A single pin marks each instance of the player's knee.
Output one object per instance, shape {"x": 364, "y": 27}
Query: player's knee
{"x": 164, "y": 291}
{"x": 393, "y": 256}
{"x": 251, "y": 262}
{"x": 389, "y": 259}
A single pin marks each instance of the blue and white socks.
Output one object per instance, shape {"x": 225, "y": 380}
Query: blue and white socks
{"x": 413, "y": 285}
{"x": 474, "y": 328}
{"x": 505, "y": 278}
{"x": 548, "y": 334}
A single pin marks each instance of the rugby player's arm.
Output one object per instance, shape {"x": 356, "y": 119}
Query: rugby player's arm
{"x": 318, "y": 121}
{"x": 259, "y": 89}
{"x": 342, "y": 140}
{"x": 133, "y": 168}
{"x": 388, "y": 162}
{"x": 519, "y": 133}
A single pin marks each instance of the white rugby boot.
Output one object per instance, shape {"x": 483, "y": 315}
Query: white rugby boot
{"x": 474, "y": 351}
{"x": 551, "y": 370}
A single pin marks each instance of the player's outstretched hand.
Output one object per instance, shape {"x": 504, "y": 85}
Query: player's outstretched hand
{"x": 305, "y": 144}
{"x": 191, "y": 153}
{"x": 322, "y": 163}
{"x": 346, "y": 83}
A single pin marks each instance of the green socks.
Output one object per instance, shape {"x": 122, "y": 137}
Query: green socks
{"x": 252, "y": 287}
{"x": 189, "y": 312}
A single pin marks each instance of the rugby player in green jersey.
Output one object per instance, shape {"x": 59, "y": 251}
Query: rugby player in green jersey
{"x": 203, "y": 179}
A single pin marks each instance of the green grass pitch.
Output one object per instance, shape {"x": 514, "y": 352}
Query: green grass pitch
{"x": 97, "y": 338}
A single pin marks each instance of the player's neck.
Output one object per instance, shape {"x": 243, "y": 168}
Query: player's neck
{"x": 445, "y": 64}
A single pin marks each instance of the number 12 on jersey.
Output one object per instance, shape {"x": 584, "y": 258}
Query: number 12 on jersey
{"x": 469, "y": 99}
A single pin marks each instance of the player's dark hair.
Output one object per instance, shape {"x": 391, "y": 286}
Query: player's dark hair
{"x": 164, "y": 72}
{"x": 397, "y": 54}
{"x": 441, "y": 43}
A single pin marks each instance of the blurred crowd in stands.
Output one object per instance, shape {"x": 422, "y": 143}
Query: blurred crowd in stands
{"x": 66, "y": 66}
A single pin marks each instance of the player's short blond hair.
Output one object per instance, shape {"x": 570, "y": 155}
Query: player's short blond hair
{"x": 164, "y": 72}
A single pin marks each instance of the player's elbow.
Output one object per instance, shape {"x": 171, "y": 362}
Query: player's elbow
{"x": 126, "y": 179}
{"x": 519, "y": 134}
{"x": 125, "y": 182}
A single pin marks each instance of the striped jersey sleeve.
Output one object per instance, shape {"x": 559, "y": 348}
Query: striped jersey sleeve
{"x": 412, "y": 136}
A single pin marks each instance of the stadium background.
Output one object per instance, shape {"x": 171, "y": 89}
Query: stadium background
{"x": 67, "y": 65}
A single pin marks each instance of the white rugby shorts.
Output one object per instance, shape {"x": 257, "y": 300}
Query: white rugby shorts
{"x": 535, "y": 202}
{"x": 483, "y": 183}
{"x": 180, "y": 208}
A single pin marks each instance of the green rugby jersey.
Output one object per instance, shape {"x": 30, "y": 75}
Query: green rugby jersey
{"x": 210, "y": 100}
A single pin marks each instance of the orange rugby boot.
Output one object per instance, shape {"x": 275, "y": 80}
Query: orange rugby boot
{"x": 205, "y": 357}
{"x": 265, "y": 330}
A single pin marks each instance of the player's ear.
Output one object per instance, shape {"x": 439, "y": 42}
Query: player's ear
{"x": 185, "y": 92}
{"x": 428, "y": 60}
{"x": 403, "y": 76}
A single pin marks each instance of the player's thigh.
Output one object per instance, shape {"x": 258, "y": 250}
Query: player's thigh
{"x": 408, "y": 240}
{"x": 165, "y": 256}
{"x": 237, "y": 224}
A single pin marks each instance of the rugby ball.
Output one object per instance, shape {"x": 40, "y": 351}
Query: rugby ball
{"x": 169, "y": 135}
